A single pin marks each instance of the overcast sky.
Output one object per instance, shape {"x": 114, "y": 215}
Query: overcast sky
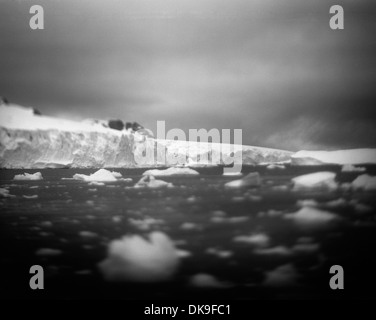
{"x": 272, "y": 68}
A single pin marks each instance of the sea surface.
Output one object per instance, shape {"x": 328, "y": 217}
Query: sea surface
{"x": 209, "y": 223}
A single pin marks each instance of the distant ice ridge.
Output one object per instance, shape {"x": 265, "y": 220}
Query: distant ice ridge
{"x": 340, "y": 157}
{"x": 29, "y": 140}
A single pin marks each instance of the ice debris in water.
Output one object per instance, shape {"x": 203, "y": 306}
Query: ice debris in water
{"x": 250, "y": 180}
{"x": 351, "y": 168}
{"x": 258, "y": 239}
{"x": 318, "y": 180}
{"x": 100, "y": 175}
{"x": 204, "y": 280}
{"x": 308, "y": 217}
{"x": 151, "y": 182}
{"x": 48, "y": 252}
{"x": 365, "y": 182}
{"x": 170, "y": 172}
{"x": 285, "y": 275}
{"x": 29, "y": 176}
{"x": 132, "y": 258}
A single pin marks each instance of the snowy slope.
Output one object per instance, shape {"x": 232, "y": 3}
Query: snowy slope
{"x": 28, "y": 140}
{"x": 341, "y": 157}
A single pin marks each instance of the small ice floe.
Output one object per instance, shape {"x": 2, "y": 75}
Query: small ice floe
{"x": 192, "y": 199}
{"x": 117, "y": 175}
{"x": 239, "y": 219}
{"x": 5, "y": 193}
{"x": 127, "y": 179}
{"x": 88, "y": 234}
{"x": 218, "y": 213}
{"x": 47, "y": 224}
{"x": 250, "y": 180}
{"x": 285, "y": 275}
{"x": 280, "y": 188}
{"x": 351, "y": 168}
{"x": 151, "y": 182}
{"x": 203, "y": 280}
{"x": 35, "y": 196}
{"x": 319, "y": 180}
{"x": 308, "y": 217}
{"x": 102, "y": 175}
{"x": 235, "y": 173}
{"x": 145, "y": 224}
{"x": 219, "y": 253}
{"x": 132, "y": 258}
{"x": 183, "y": 253}
{"x": 274, "y": 213}
{"x": 95, "y": 183}
{"x": 307, "y": 203}
{"x": 364, "y": 182}
{"x": 92, "y": 190}
{"x": 28, "y": 176}
{"x": 257, "y": 239}
{"x": 305, "y": 248}
{"x": 48, "y": 252}
{"x": 275, "y": 166}
{"x": 278, "y": 250}
{"x": 190, "y": 226}
{"x": 170, "y": 172}
{"x": 116, "y": 219}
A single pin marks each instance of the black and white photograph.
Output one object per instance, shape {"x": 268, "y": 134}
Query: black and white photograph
{"x": 188, "y": 150}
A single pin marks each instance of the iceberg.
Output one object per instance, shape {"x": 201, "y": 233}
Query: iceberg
{"x": 339, "y": 157}
{"x": 33, "y": 141}
{"x": 29, "y": 176}
{"x": 132, "y": 258}
{"x": 170, "y": 172}
{"x": 250, "y": 180}
{"x": 318, "y": 180}
{"x": 102, "y": 175}
{"x": 365, "y": 182}
{"x": 151, "y": 182}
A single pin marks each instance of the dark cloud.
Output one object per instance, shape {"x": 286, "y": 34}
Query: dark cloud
{"x": 272, "y": 68}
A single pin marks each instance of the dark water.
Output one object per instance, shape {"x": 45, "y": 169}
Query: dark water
{"x": 65, "y": 208}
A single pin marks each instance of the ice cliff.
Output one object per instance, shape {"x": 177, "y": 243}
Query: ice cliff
{"x": 30, "y": 140}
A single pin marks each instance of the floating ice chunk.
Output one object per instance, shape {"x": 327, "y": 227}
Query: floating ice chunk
{"x": 100, "y": 175}
{"x": 307, "y": 203}
{"x": 219, "y": 253}
{"x": 351, "y": 168}
{"x": 183, "y": 253}
{"x": 239, "y": 219}
{"x": 5, "y": 193}
{"x": 275, "y": 166}
{"x": 352, "y": 156}
{"x": 258, "y": 239}
{"x": 250, "y": 180}
{"x": 232, "y": 173}
{"x": 29, "y": 176}
{"x": 306, "y": 247}
{"x": 95, "y": 183}
{"x": 285, "y": 275}
{"x": 190, "y": 226}
{"x": 35, "y": 196}
{"x": 151, "y": 182}
{"x": 318, "y": 180}
{"x": 48, "y": 252}
{"x": 279, "y": 250}
{"x": 170, "y": 172}
{"x": 365, "y": 182}
{"x": 46, "y": 224}
{"x": 144, "y": 224}
{"x": 311, "y": 217}
{"x": 133, "y": 258}
{"x": 204, "y": 280}
{"x": 88, "y": 234}
{"x": 116, "y": 174}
